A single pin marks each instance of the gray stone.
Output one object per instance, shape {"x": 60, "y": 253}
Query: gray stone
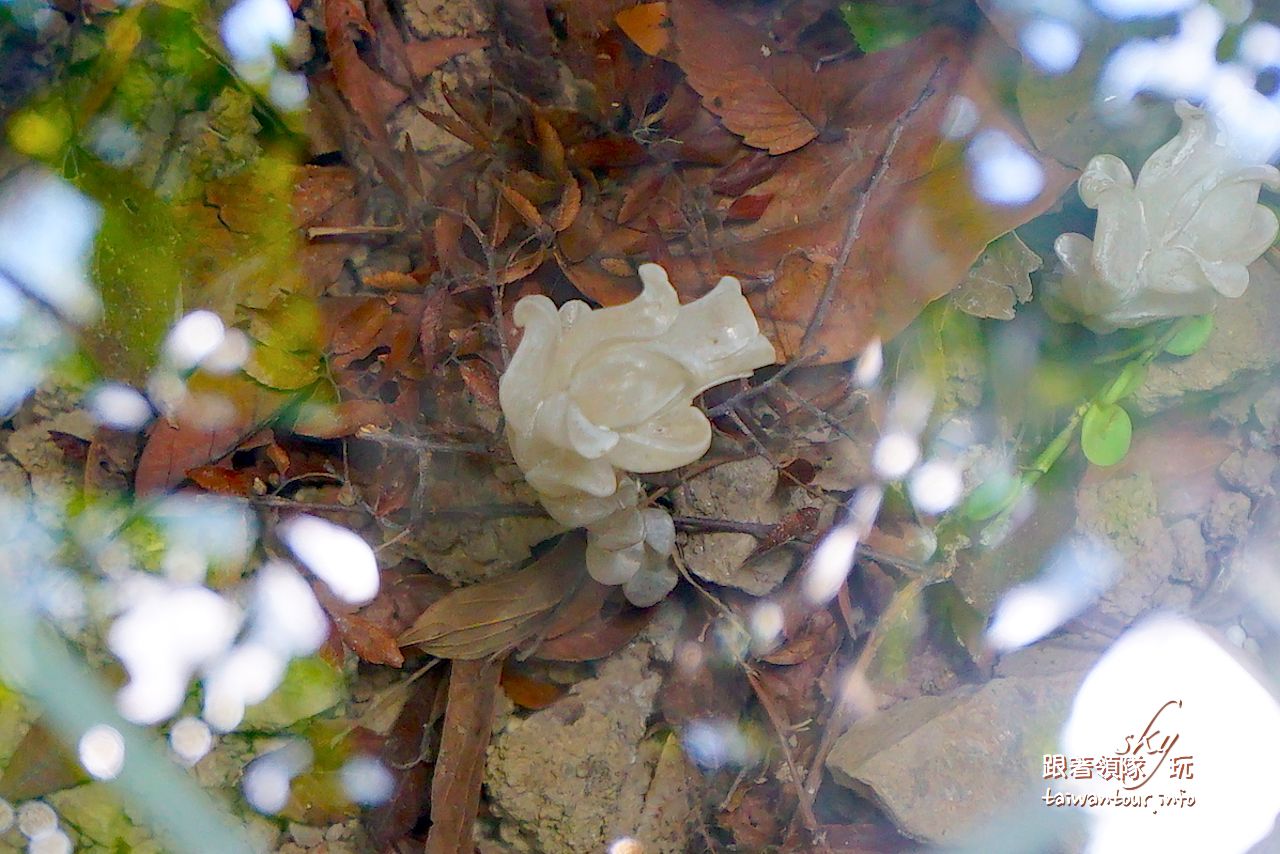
{"x": 742, "y": 491}
{"x": 572, "y": 777}
{"x": 1245, "y": 341}
{"x": 942, "y": 766}
{"x": 1249, "y": 471}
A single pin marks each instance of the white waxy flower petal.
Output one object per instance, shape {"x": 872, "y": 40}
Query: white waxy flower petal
{"x": 590, "y": 395}
{"x": 614, "y": 566}
{"x": 1171, "y": 243}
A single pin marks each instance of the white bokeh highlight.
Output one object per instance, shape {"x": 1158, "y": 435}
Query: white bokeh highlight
{"x": 1003, "y": 172}
{"x": 337, "y": 556}
{"x": 101, "y": 752}
{"x": 1224, "y": 721}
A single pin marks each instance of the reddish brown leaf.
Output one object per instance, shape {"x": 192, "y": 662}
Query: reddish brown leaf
{"x": 74, "y": 449}
{"x": 431, "y": 331}
{"x": 585, "y": 605}
{"x": 527, "y": 210}
{"x": 358, "y": 325}
{"x": 173, "y": 450}
{"x": 455, "y": 786}
{"x": 40, "y": 765}
{"x": 648, "y": 26}
{"x": 522, "y": 267}
{"x": 219, "y": 413}
{"x": 223, "y": 481}
{"x": 402, "y": 754}
{"x": 370, "y": 96}
{"x": 748, "y": 208}
{"x": 481, "y": 381}
{"x": 550, "y": 148}
{"x": 772, "y": 101}
{"x": 744, "y": 173}
{"x": 570, "y": 204}
{"x": 596, "y": 637}
{"x": 529, "y": 693}
{"x": 391, "y": 280}
{"x": 425, "y": 57}
{"x": 368, "y": 640}
{"x": 867, "y": 225}
{"x": 610, "y": 152}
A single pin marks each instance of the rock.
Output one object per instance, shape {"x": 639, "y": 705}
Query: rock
{"x": 1245, "y": 340}
{"x": 1249, "y": 471}
{"x": 429, "y": 20}
{"x": 1267, "y": 410}
{"x": 468, "y": 550}
{"x": 95, "y": 813}
{"x": 53, "y": 477}
{"x": 1192, "y": 565}
{"x": 1122, "y": 515}
{"x": 942, "y": 766}
{"x": 743, "y": 491}
{"x": 1228, "y": 517}
{"x": 575, "y": 776}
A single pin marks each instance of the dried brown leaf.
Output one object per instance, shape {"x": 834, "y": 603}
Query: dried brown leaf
{"x": 527, "y": 210}
{"x": 487, "y": 618}
{"x": 648, "y": 25}
{"x": 597, "y": 637}
{"x": 767, "y": 99}
{"x": 455, "y": 786}
{"x": 176, "y": 447}
{"x": 40, "y": 765}
{"x": 570, "y": 204}
{"x": 367, "y": 639}
{"x": 529, "y": 693}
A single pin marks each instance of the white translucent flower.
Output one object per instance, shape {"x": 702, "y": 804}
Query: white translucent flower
{"x": 588, "y": 392}
{"x": 591, "y": 395}
{"x": 1172, "y": 243}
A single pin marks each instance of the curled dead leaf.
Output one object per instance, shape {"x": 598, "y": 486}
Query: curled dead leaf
{"x": 487, "y": 618}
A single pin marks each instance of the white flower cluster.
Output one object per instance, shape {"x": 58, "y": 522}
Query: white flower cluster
{"x": 592, "y": 395}
{"x": 1173, "y": 242}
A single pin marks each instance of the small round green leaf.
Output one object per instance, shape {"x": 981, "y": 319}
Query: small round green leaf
{"x": 1126, "y": 383}
{"x": 992, "y": 496}
{"x": 1105, "y": 434}
{"x": 1192, "y": 336}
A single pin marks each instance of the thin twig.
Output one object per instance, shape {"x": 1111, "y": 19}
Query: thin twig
{"x": 762, "y": 530}
{"x": 747, "y": 394}
{"x": 413, "y": 443}
{"x": 473, "y": 511}
{"x": 855, "y": 221}
{"x": 818, "y": 412}
{"x": 318, "y": 231}
{"x": 781, "y": 727}
{"x": 846, "y": 698}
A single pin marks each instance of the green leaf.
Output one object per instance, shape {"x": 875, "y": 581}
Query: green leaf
{"x": 1106, "y": 434}
{"x": 1126, "y": 383}
{"x": 877, "y": 27}
{"x": 1192, "y": 336}
{"x": 310, "y": 686}
{"x": 901, "y": 627}
{"x": 991, "y": 496}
